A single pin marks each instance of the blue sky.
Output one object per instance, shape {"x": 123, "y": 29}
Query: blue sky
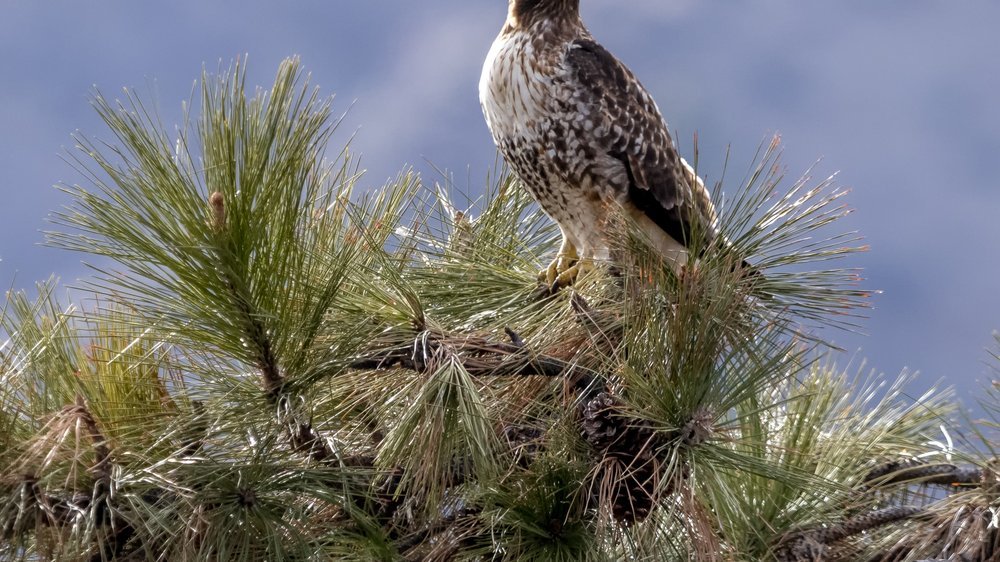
{"x": 902, "y": 97}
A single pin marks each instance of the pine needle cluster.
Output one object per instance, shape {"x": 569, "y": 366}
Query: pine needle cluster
{"x": 275, "y": 364}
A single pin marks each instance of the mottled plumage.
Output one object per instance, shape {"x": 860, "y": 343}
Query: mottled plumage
{"x": 580, "y": 132}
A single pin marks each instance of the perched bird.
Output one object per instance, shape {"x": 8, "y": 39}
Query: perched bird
{"x": 581, "y": 132}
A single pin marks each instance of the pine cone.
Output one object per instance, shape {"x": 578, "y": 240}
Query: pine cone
{"x": 627, "y": 480}
{"x": 634, "y": 493}
{"x": 601, "y": 426}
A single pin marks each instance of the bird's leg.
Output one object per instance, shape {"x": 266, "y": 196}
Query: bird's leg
{"x": 565, "y": 260}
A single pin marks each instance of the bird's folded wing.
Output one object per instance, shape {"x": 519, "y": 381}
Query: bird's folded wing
{"x": 629, "y": 127}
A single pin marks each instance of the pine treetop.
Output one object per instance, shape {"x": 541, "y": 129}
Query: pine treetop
{"x": 273, "y": 363}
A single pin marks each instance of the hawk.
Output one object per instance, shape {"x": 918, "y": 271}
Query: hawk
{"x": 581, "y": 132}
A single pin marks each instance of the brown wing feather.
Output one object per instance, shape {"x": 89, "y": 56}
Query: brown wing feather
{"x": 629, "y": 127}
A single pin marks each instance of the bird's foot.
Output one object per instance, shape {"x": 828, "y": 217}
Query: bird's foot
{"x": 549, "y": 275}
{"x": 562, "y": 271}
{"x": 562, "y": 274}
{"x": 569, "y": 275}
{"x": 564, "y": 261}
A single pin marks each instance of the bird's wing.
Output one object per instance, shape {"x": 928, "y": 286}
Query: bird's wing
{"x": 628, "y": 125}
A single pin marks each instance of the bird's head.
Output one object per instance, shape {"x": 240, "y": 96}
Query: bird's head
{"x": 525, "y": 13}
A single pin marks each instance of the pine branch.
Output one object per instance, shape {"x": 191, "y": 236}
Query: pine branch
{"x": 480, "y": 356}
{"x": 56, "y": 511}
{"x": 260, "y": 344}
{"x": 918, "y": 471}
{"x": 101, "y": 470}
{"x": 812, "y": 544}
{"x": 302, "y": 436}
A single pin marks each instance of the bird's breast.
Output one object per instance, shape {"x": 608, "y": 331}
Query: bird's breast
{"x": 515, "y": 87}
{"x": 544, "y": 131}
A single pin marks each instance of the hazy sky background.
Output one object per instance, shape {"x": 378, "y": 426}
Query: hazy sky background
{"x": 902, "y": 97}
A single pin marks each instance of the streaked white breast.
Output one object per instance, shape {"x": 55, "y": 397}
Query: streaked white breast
{"x": 511, "y": 94}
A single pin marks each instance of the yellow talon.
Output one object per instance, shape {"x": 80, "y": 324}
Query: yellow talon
{"x": 565, "y": 269}
{"x": 569, "y": 275}
{"x": 549, "y": 274}
{"x": 565, "y": 260}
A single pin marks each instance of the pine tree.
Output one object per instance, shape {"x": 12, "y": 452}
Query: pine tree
{"x": 271, "y": 364}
